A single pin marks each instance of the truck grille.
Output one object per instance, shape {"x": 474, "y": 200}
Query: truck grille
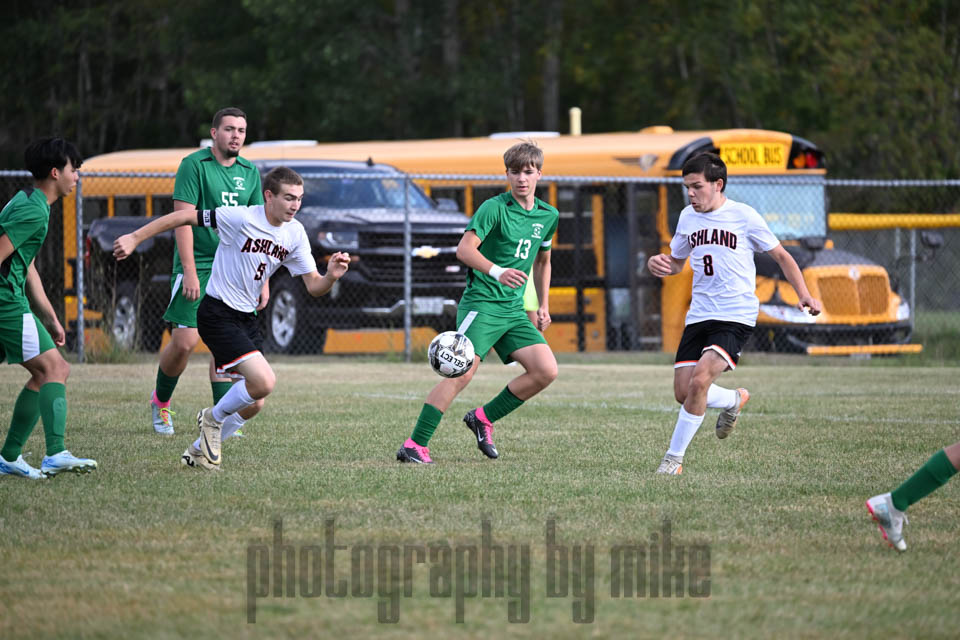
{"x": 387, "y": 269}
{"x": 374, "y": 240}
{"x": 843, "y": 295}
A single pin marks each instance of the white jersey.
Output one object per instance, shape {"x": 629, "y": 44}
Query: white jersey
{"x": 720, "y": 245}
{"x": 250, "y": 251}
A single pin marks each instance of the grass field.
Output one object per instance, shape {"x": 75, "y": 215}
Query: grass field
{"x": 142, "y": 548}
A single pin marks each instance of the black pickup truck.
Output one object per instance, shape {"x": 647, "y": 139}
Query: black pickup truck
{"x": 348, "y": 206}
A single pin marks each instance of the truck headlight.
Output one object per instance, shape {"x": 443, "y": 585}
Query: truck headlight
{"x": 339, "y": 239}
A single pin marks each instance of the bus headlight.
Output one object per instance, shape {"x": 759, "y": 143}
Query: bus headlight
{"x": 787, "y": 314}
{"x": 903, "y": 311}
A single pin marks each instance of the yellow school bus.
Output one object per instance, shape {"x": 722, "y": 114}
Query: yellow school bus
{"x": 619, "y": 195}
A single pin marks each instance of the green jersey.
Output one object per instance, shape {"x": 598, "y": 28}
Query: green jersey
{"x": 24, "y": 220}
{"x": 510, "y": 237}
{"x": 207, "y": 184}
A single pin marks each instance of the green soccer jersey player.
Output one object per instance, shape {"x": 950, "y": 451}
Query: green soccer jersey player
{"x": 508, "y": 236}
{"x": 206, "y": 179}
{"x": 27, "y": 339}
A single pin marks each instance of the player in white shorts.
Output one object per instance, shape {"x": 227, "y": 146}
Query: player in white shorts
{"x": 720, "y": 237}
{"x": 254, "y": 242}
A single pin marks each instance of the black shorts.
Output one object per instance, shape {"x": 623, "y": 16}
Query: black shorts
{"x": 725, "y": 338}
{"x": 232, "y": 336}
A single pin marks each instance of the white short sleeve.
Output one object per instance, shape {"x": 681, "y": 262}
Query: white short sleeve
{"x": 759, "y": 234}
{"x": 300, "y": 261}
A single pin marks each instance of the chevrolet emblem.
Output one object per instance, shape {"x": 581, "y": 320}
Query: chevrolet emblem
{"x": 426, "y": 252}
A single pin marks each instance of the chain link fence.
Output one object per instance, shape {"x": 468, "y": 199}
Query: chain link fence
{"x": 886, "y": 280}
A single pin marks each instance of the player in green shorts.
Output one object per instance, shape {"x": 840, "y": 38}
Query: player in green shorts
{"x": 26, "y": 339}
{"x": 206, "y": 179}
{"x": 507, "y": 236}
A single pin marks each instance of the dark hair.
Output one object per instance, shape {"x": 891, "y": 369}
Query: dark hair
{"x": 46, "y": 154}
{"x": 710, "y": 165}
{"x": 228, "y": 111}
{"x": 278, "y": 176}
{"x": 523, "y": 154}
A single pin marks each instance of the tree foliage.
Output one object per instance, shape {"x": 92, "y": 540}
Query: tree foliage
{"x": 876, "y": 84}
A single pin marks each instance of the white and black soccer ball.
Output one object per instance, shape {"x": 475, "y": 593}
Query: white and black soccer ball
{"x": 450, "y": 354}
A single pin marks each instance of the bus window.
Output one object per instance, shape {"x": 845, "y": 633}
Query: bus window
{"x": 792, "y": 209}
{"x": 162, "y": 205}
{"x": 134, "y": 206}
{"x": 94, "y": 208}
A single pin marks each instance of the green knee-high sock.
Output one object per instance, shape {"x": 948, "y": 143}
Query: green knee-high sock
{"x": 53, "y": 411}
{"x": 504, "y": 403}
{"x": 426, "y": 424}
{"x": 26, "y": 411}
{"x": 219, "y": 390}
{"x": 931, "y": 476}
{"x": 165, "y": 385}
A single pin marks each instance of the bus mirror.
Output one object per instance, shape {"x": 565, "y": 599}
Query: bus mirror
{"x": 813, "y": 243}
{"x": 931, "y": 239}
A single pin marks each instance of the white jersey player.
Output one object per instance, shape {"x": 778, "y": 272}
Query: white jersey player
{"x": 254, "y": 243}
{"x": 720, "y": 237}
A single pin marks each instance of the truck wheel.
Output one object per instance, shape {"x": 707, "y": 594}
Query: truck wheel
{"x": 123, "y": 320}
{"x": 284, "y": 324}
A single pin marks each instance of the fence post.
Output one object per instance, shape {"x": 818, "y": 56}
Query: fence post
{"x": 407, "y": 269}
{"x": 913, "y": 275}
{"x": 632, "y": 267}
{"x": 78, "y": 274}
{"x": 577, "y": 267}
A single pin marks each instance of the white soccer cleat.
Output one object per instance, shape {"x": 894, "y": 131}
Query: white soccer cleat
{"x": 889, "y": 519}
{"x": 193, "y": 458}
{"x": 727, "y": 419}
{"x": 66, "y": 461}
{"x": 209, "y": 435}
{"x": 20, "y": 469}
{"x": 671, "y": 465}
{"x": 162, "y": 418}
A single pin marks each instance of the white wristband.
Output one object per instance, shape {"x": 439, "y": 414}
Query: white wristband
{"x": 495, "y": 272}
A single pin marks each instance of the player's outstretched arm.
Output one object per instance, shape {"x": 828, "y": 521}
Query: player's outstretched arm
{"x": 662, "y": 265}
{"x": 468, "y": 252}
{"x": 318, "y": 285}
{"x": 794, "y": 276}
{"x": 125, "y": 244}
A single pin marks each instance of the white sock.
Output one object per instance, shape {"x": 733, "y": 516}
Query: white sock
{"x": 720, "y": 398}
{"x": 687, "y": 425}
{"x": 232, "y": 401}
{"x": 231, "y": 425}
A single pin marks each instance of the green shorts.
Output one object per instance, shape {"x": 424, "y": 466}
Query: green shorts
{"x": 23, "y": 338}
{"x": 530, "y": 300}
{"x": 505, "y": 331}
{"x": 182, "y": 312}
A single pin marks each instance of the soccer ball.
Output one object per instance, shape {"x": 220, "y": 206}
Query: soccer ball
{"x": 450, "y": 354}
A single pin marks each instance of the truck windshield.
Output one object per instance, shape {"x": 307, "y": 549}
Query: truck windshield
{"x": 793, "y": 207}
{"x": 362, "y": 193}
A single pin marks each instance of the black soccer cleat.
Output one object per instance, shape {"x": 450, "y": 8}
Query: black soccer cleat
{"x": 483, "y": 430}
{"x": 412, "y": 452}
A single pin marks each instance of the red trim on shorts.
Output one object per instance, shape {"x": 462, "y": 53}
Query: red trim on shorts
{"x": 723, "y": 354}
{"x": 237, "y": 361}
{"x": 684, "y": 363}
